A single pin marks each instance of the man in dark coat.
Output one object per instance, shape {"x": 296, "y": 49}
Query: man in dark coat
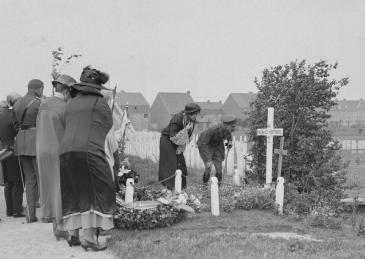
{"x": 211, "y": 145}
{"x": 26, "y": 110}
{"x": 13, "y": 190}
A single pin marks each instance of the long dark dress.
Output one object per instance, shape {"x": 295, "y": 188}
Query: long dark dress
{"x": 87, "y": 188}
{"x": 169, "y": 160}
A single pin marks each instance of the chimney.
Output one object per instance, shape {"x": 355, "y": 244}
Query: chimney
{"x": 208, "y": 101}
{"x": 188, "y": 92}
{"x": 220, "y": 101}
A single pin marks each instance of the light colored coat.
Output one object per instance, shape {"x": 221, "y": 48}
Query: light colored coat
{"x": 50, "y": 130}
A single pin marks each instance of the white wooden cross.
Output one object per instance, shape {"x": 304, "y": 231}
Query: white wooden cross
{"x": 269, "y": 132}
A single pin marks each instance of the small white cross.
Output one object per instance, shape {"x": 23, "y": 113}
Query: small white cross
{"x": 269, "y": 132}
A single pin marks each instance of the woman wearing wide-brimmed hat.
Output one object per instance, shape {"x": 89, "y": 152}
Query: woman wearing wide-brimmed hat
{"x": 172, "y": 145}
{"x": 87, "y": 187}
{"x": 50, "y": 130}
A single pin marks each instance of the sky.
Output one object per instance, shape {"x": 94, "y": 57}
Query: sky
{"x": 209, "y": 47}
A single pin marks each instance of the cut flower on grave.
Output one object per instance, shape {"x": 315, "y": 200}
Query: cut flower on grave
{"x": 154, "y": 208}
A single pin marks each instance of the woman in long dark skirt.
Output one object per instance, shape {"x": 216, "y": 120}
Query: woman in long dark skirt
{"x": 87, "y": 187}
{"x": 172, "y": 145}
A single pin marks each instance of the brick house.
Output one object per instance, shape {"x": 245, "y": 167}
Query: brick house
{"x": 165, "y": 105}
{"x": 137, "y": 107}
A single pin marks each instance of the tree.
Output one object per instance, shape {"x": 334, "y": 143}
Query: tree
{"x": 58, "y": 61}
{"x": 302, "y": 96}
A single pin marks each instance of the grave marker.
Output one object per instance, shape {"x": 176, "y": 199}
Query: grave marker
{"x": 269, "y": 132}
{"x": 281, "y": 152}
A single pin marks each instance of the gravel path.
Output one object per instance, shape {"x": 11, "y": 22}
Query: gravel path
{"x": 36, "y": 240}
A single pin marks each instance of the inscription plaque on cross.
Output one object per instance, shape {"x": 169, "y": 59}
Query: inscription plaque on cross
{"x": 269, "y": 132}
{"x": 281, "y": 152}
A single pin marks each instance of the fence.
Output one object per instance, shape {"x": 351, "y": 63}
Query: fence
{"x": 353, "y": 145}
{"x": 146, "y": 145}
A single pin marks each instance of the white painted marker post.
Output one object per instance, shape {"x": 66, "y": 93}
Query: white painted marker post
{"x": 279, "y": 194}
{"x": 214, "y": 196}
{"x": 269, "y": 132}
{"x": 236, "y": 177}
{"x": 178, "y": 181}
{"x": 129, "y": 191}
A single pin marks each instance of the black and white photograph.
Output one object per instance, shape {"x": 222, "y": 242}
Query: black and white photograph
{"x": 182, "y": 129}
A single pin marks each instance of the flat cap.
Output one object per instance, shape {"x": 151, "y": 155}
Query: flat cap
{"x": 35, "y": 84}
{"x": 229, "y": 119}
{"x": 192, "y": 108}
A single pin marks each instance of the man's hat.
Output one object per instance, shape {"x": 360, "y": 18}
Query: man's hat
{"x": 35, "y": 84}
{"x": 192, "y": 108}
{"x": 229, "y": 119}
{"x": 64, "y": 80}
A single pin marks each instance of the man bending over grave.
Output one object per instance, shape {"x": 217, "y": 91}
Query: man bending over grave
{"x": 211, "y": 145}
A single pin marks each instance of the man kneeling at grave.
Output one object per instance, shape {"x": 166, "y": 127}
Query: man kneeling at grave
{"x": 211, "y": 145}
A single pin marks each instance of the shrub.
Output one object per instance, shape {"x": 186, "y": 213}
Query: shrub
{"x": 247, "y": 198}
{"x": 256, "y": 198}
{"x": 302, "y": 96}
{"x": 321, "y": 207}
{"x": 323, "y": 216}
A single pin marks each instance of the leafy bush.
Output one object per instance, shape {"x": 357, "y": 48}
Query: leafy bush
{"x": 256, "y": 198}
{"x": 320, "y": 208}
{"x": 302, "y": 96}
{"x": 247, "y": 198}
{"x": 323, "y": 216}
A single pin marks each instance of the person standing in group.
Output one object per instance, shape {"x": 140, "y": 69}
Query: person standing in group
{"x": 50, "y": 130}
{"x": 173, "y": 141}
{"x": 26, "y": 110}
{"x": 211, "y": 145}
{"x": 13, "y": 181}
{"x": 87, "y": 187}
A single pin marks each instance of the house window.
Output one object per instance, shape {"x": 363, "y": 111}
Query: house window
{"x": 135, "y": 107}
{"x": 145, "y": 115}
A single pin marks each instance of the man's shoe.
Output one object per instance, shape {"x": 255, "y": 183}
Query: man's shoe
{"x": 32, "y": 220}
{"x": 206, "y": 178}
{"x": 18, "y": 215}
{"x": 37, "y": 205}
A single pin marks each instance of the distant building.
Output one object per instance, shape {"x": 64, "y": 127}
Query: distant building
{"x": 138, "y": 108}
{"x": 211, "y": 113}
{"x": 238, "y": 104}
{"x": 348, "y": 113}
{"x": 165, "y": 105}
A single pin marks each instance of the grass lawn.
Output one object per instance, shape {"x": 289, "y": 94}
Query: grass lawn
{"x": 234, "y": 235}
{"x": 231, "y": 236}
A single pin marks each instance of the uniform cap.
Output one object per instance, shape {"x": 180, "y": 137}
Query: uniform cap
{"x": 35, "y": 84}
{"x": 192, "y": 108}
{"x": 229, "y": 119}
{"x": 65, "y": 80}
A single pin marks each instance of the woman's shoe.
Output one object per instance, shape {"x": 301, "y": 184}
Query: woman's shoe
{"x": 61, "y": 235}
{"x": 73, "y": 241}
{"x": 94, "y": 246}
